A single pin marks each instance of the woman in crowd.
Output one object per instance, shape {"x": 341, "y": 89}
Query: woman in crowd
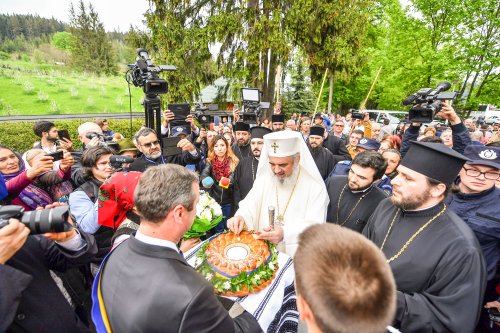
{"x": 304, "y": 126}
{"x": 20, "y": 181}
{"x": 56, "y": 182}
{"x": 221, "y": 163}
{"x": 83, "y": 201}
{"x": 393, "y": 157}
{"x": 390, "y": 142}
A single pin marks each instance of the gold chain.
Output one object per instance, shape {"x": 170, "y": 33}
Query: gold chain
{"x": 412, "y": 237}
{"x": 281, "y": 216}
{"x": 253, "y": 170}
{"x": 352, "y": 210}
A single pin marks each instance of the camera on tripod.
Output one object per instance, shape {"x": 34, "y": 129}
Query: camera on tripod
{"x": 38, "y": 221}
{"x": 427, "y": 102}
{"x": 145, "y": 74}
{"x": 251, "y": 104}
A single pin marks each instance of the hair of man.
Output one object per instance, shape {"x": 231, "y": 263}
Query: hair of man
{"x": 162, "y": 188}
{"x": 371, "y": 159}
{"x": 345, "y": 280}
{"x": 144, "y": 131}
{"x": 42, "y": 126}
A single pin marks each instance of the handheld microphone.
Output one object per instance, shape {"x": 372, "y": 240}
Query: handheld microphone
{"x": 224, "y": 182}
{"x": 120, "y": 159}
{"x": 207, "y": 183}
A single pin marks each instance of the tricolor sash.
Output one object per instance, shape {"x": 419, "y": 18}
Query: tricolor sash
{"x": 99, "y": 314}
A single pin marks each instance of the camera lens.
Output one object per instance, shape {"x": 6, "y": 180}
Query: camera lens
{"x": 47, "y": 220}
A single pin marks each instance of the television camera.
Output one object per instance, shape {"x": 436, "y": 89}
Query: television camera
{"x": 427, "y": 102}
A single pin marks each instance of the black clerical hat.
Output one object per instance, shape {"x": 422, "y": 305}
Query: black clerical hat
{"x": 434, "y": 160}
{"x": 278, "y": 118}
{"x": 258, "y": 132}
{"x": 317, "y": 130}
{"x": 241, "y": 126}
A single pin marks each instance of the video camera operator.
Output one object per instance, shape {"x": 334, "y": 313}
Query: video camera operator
{"x": 149, "y": 145}
{"x": 460, "y": 133}
{"x": 31, "y": 301}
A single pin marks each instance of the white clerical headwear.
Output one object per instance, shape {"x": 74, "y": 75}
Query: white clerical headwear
{"x": 282, "y": 143}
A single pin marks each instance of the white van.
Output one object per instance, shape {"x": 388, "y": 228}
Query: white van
{"x": 395, "y": 117}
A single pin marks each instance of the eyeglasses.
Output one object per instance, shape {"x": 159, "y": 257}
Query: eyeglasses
{"x": 151, "y": 144}
{"x": 491, "y": 175}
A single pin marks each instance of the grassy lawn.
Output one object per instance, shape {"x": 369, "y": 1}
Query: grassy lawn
{"x": 49, "y": 89}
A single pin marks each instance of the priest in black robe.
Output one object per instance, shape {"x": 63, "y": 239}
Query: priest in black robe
{"x": 245, "y": 172}
{"x": 278, "y": 122}
{"x": 353, "y": 198}
{"x": 322, "y": 157}
{"x": 435, "y": 258}
{"x": 241, "y": 147}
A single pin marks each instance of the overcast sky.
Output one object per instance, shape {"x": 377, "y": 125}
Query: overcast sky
{"x": 115, "y": 14}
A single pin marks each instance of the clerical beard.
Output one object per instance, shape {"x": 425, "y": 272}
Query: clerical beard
{"x": 313, "y": 150}
{"x": 289, "y": 181}
{"x": 407, "y": 202}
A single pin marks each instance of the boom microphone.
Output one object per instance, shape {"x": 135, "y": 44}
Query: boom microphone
{"x": 120, "y": 159}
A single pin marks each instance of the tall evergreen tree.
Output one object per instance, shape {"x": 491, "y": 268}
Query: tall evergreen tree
{"x": 91, "y": 49}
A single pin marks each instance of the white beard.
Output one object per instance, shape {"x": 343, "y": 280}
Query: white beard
{"x": 288, "y": 182}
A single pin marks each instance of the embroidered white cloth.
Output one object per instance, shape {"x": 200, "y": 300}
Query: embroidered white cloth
{"x": 275, "y": 306}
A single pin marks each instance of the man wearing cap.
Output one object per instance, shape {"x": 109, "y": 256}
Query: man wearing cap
{"x": 277, "y": 122}
{"x": 241, "y": 147}
{"x": 354, "y": 197}
{"x": 343, "y": 166}
{"x": 289, "y": 184}
{"x": 149, "y": 145}
{"x": 324, "y": 159}
{"x": 246, "y": 171}
{"x": 435, "y": 258}
{"x": 478, "y": 203}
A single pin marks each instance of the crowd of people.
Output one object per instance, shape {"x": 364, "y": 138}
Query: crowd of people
{"x": 391, "y": 228}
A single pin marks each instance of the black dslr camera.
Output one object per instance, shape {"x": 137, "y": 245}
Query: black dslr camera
{"x": 200, "y": 114}
{"x": 144, "y": 74}
{"x": 38, "y": 221}
{"x": 103, "y": 140}
{"x": 427, "y": 102}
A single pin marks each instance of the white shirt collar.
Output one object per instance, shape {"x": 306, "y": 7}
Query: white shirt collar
{"x": 155, "y": 241}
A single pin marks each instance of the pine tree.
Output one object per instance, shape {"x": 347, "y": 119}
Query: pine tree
{"x": 91, "y": 49}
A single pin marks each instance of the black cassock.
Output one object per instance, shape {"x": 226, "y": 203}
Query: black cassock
{"x": 324, "y": 161}
{"x": 359, "y": 214}
{"x": 244, "y": 177}
{"x": 242, "y": 151}
{"x": 441, "y": 275}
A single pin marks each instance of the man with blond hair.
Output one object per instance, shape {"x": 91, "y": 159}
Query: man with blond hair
{"x": 343, "y": 282}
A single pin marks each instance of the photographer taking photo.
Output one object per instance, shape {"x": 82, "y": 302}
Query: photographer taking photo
{"x": 31, "y": 301}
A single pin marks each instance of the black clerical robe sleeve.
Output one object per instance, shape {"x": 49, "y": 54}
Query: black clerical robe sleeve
{"x": 441, "y": 306}
{"x": 206, "y": 314}
{"x": 13, "y": 283}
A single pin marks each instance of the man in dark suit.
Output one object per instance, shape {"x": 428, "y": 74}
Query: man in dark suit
{"x": 146, "y": 284}
{"x": 30, "y": 300}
